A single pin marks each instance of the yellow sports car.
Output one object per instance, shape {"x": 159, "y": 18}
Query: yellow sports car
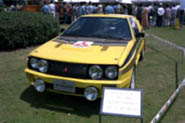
{"x": 97, "y": 50}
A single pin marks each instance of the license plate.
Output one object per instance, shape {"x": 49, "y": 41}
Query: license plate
{"x": 64, "y": 85}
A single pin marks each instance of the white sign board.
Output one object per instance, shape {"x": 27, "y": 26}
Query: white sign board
{"x": 121, "y": 102}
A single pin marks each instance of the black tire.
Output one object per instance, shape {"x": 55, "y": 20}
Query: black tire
{"x": 133, "y": 79}
{"x": 142, "y": 55}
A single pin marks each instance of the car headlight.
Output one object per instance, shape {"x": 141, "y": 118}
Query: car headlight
{"x": 43, "y": 66}
{"x": 95, "y": 72}
{"x": 111, "y": 72}
{"x": 39, "y": 85}
{"x": 34, "y": 63}
{"x": 91, "y": 93}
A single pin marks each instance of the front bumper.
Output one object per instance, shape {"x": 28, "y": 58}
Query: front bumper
{"x": 80, "y": 84}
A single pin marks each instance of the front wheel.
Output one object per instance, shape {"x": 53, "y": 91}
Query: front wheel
{"x": 142, "y": 55}
{"x": 133, "y": 79}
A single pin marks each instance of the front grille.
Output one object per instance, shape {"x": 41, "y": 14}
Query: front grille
{"x": 65, "y": 69}
{"x": 72, "y": 70}
{"x": 68, "y": 69}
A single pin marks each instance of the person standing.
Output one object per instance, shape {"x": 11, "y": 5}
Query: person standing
{"x": 145, "y": 17}
{"x": 134, "y": 12}
{"x": 115, "y": 6}
{"x": 139, "y": 12}
{"x": 129, "y": 8}
{"x": 125, "y": 10}
{"x": 119, "y": 9}
{"x": 167, "y": 15}
{"x": 25, "y": 2}
{"x": 155, "y": 15}
{"x": 1, "y": 2}
{"x": 173, "y": 15}
{"x": 57, "y": 10}
{"x": 81, "y": 9}
{"x": 52, "y": 8}
{"x": 109, "y": 9}
{"x": 95, "y": 8}
{"x": 160, "y": 14}
{"x": 65, "y": 19}
{"x": 151, "y": 15}
{"x": 100, "y": 9}
{"x": 68, "y": 12}
{"x": 46, "y": 9}
{"x": 74, "y": 12}
{"x": 61, "y": 11}
{"x": 89, "y": 8}
{"x": 182, "y": 8}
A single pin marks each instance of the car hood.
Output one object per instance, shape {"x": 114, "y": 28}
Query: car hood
{"x": 68, "y": 52}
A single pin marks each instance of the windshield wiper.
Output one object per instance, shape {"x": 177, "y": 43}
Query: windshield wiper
{"x": 109, "y": 36}
{"x": 96, "y": 36}
{"x": 75, "y": 35}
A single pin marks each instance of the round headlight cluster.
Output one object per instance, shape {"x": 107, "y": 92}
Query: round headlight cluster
{"x": 91, "y": 93}
{"x": 41, "y": 65}
{"x": 111, "y": 72}
{"x": 96, "y": 72}
{"x": 34, "y": 63}
{"x": 39, "y": 85}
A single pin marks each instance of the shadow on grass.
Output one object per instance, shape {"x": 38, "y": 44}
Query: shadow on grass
{"x": 60, "y": 103}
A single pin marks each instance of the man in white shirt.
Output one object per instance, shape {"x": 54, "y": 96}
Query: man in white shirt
{"x": 52, "y": 8}
{"x": 160, "y": 13}
{"x": 89, "y": 8}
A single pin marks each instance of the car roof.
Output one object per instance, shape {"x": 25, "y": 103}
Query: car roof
{"x": 108, "y": 15}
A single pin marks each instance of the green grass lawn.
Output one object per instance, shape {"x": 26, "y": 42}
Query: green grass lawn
{"x": 176, "y": 36}
{"x": 19, "y": 103}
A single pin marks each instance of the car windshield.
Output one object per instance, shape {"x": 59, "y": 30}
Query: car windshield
{"x": 100, "y": 27}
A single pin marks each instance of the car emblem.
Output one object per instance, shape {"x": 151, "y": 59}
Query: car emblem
{"x": 65, "y": 69}
{"x": 82, "y": 44}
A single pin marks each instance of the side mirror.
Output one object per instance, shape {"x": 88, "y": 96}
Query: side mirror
{"x": 62, "y": 29}
{"x": 140, "y": 34}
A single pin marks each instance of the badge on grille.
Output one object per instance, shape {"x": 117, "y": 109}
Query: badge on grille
{"x": 65, "y": 69}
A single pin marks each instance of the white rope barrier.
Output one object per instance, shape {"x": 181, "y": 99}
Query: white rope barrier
{"x": 162, "y": 111}
{"x": 168, "y": 42}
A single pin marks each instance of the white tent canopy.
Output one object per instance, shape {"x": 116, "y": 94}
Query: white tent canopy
{"x": 96, "y": 1}
{"x": 121, "y": 1}
{"x": 77, "y": 1}
{"x": 126, "y": 1}
{"x": 155, "y": 1}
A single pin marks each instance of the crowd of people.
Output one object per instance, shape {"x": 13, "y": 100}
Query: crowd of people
{"x": 71, "y": 11}
{"x": 149, "y": 14}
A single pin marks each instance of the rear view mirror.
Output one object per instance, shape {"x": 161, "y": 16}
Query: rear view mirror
{"x": 140, "y": 34}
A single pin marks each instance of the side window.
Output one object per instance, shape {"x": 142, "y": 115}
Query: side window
{"x": 134, "y": 25}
